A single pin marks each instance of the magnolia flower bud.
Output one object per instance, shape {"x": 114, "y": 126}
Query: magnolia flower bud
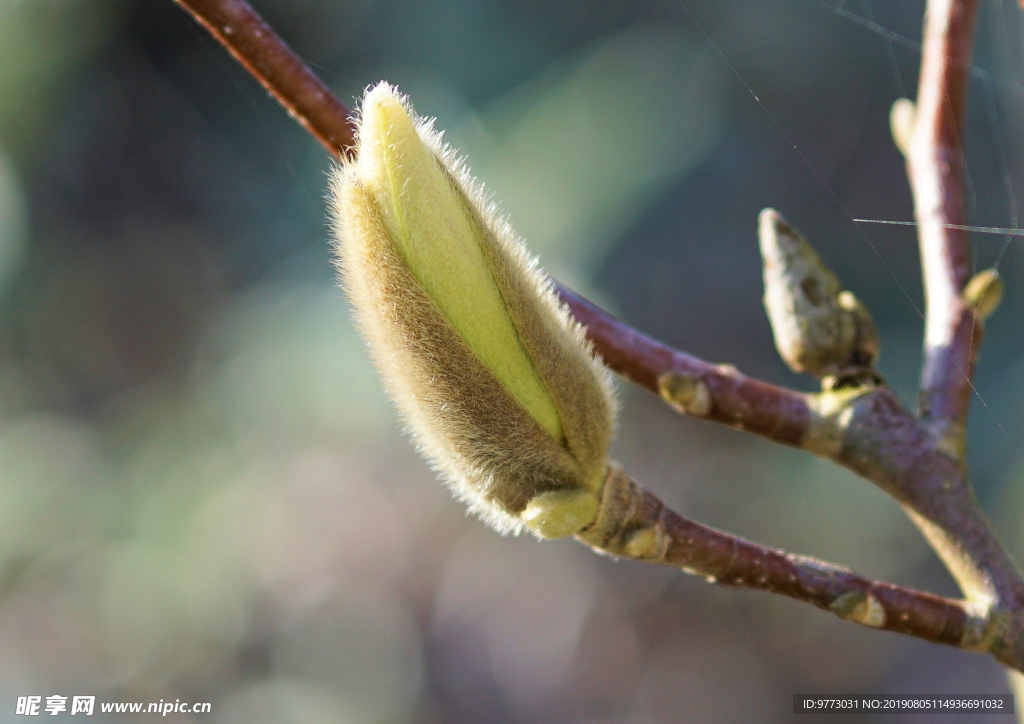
{"x": 819, "y": 328}
{"x": 496, "y": 382}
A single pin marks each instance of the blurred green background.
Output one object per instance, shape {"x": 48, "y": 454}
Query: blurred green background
{"x": 204, "y": 494}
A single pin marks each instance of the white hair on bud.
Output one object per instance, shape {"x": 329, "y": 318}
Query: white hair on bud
{"x": 488, "y": 447}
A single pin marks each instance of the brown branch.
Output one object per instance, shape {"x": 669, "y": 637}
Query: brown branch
{"x": 651, "y": 532}
{"x": 870, "y": 433}
{"x": 884, "y": 443}
{"x": 935, "y": 167}
{"x": 722, "y": 394}
{"x": 268, "y": 58}
{"x": 866, "y": 430}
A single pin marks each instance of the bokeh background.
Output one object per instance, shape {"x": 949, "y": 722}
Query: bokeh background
{"x": 204, "y": 494}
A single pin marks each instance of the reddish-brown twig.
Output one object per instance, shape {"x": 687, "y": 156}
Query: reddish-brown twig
{"x": 935, "y": 167}
{"x": 733, "y": 399}
{"x": 268, "y": 58}
{"x": 653, "y": 533}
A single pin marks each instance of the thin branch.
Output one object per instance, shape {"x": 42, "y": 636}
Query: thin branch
{"x": 885, "y": 444}
{"x": 652, "y": 532}
{"x": 935, "y": 167}
{"x": 268, "y": 58}
{"x": 722, "y": 394}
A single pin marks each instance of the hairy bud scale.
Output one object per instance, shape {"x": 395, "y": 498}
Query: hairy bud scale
{"x": 494, "y": 379}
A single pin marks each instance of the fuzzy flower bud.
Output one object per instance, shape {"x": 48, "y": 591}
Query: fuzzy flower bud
{"x": 496, "y": 382}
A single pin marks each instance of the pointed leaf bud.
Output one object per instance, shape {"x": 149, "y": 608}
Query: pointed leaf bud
{"x": 819, "y": 328}
{"x": 496, "y": 381}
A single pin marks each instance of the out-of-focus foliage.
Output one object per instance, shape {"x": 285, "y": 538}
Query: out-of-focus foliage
{"x": 41, "y": 42}
{"x": 203, "y": 493}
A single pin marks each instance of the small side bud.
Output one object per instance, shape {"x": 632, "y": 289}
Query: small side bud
{"x": 495, "y": 380}
{"x": 628, "y": 521}
{"x": 686, "y": 393}
{"x": 862, "y": 608}
{"x": 819, "y": 329}
{"x": 984, "y": 292}
{"x": 560, "y": 512}
{"x": 901, "y": 123}
{"x": 646, "y": 543}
